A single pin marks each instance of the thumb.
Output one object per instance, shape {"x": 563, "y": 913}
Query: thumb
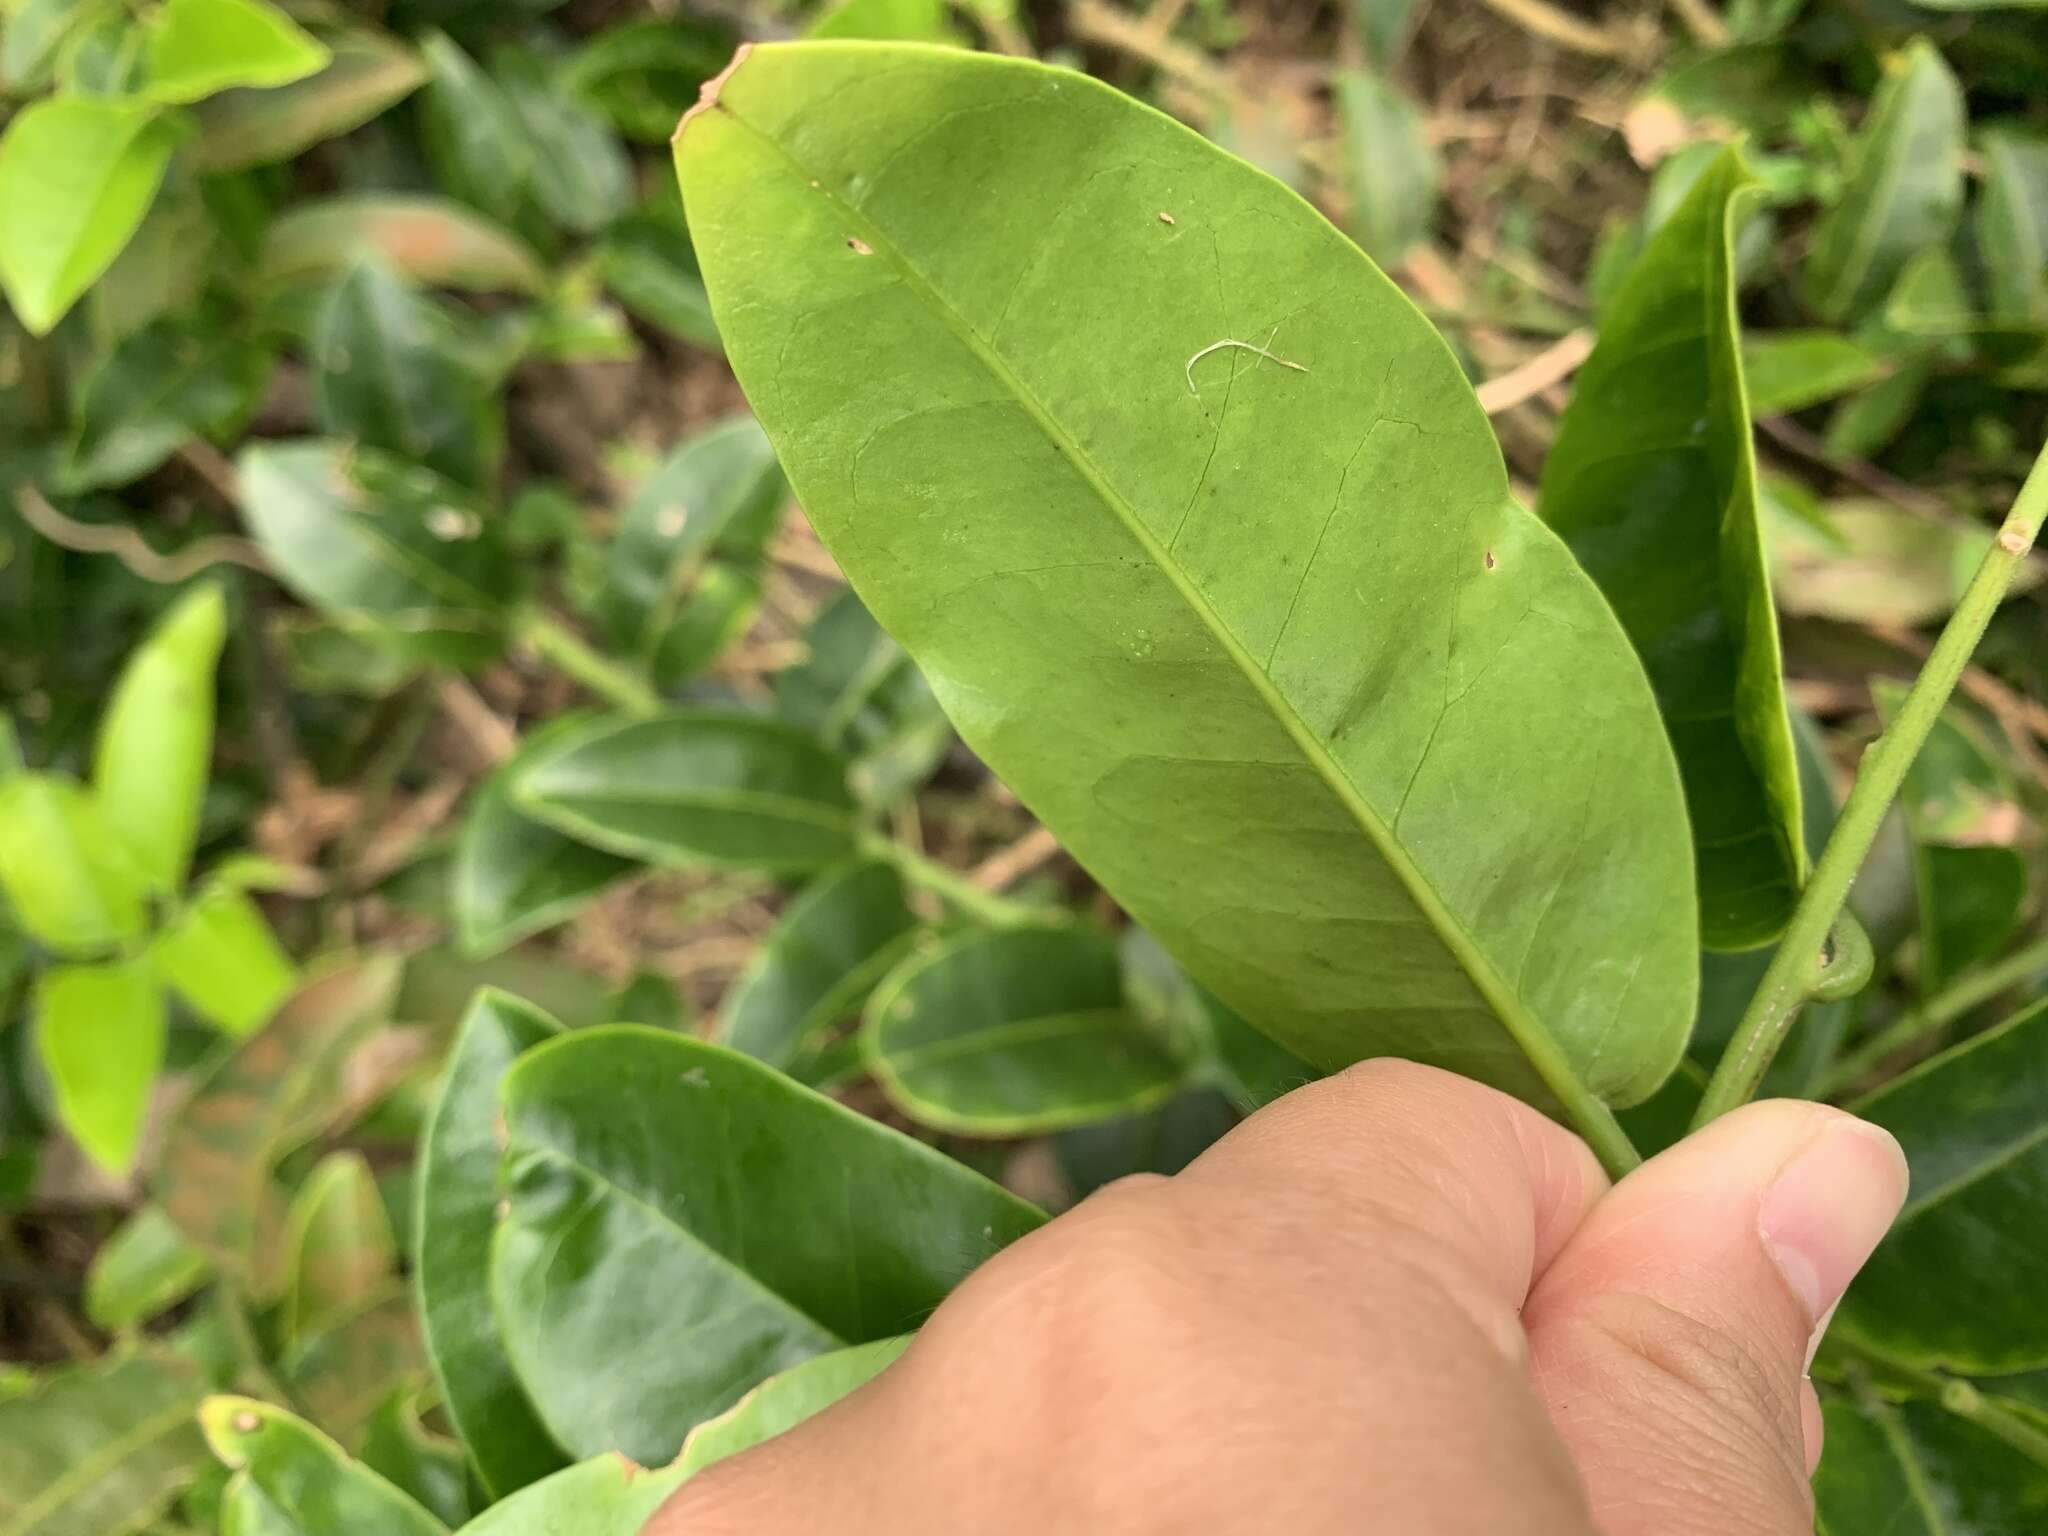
{"x": 1671, "y": 1336}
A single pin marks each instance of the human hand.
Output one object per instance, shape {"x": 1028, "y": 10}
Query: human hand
{"x": 1394, "y": 1301}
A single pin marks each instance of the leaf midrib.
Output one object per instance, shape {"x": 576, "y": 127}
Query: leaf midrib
{"x": 1535, "y": 1041}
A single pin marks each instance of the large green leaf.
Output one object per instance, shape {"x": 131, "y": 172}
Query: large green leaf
{"x": 69, "y": 883}
{"x": 199, "y": 47}
{"x": 307, "y": 1476}
{"x": 221, "y": 958}
{"x": 1905, "y": 188}
{"x": 456, "y": 1196}
{"x": 690, "y": 788}
{"x": 1652, "y": 482}
{"x": 641, "y": 1291}
{"x": 101, "y": 1449}
{"x": 76, "y": 176}
{"x": 1914, "y": 1469}
{"x": 1264, "y": 645}
{"x": 366, "y": 72}
{"x": 100, "y": 1033}
{"x": 782, "y": 1402}
{"x": 380, "y": 545}
{"x": 1958, "y": 1281}
{"x": 514, "y": 876}
{"x": 155, "y": 747}
{"x": 824, "y": 956}
{"x": 1014, "y": 1033}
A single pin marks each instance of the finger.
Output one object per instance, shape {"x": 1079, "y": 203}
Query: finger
{"x": 1672, "y": 1334}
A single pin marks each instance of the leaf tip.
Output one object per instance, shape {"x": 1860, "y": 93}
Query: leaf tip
{"x": 707, "y": 94}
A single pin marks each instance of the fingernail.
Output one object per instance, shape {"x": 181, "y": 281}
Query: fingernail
{"x": 1828, "y": 1209}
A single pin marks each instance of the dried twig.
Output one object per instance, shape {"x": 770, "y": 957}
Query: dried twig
{"x": 129, "y": 547}
{"x": 1096, "y": 22}
{"x": 1553, "y": 365}
{"x": 1568, "y": 32}
{"x": 1004, "y": 868}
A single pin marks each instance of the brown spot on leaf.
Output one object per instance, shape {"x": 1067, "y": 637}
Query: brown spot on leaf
{"x": 858, "y": 246}
{"x": 1490, "y": 561}
{"x": 707, "y": 94}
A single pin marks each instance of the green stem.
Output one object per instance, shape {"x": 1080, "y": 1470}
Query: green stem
{"x": 556, "y": 643}
{"x": 1800, "y": 962}
{"x": 1959, "y": 1397}
{"x": 950, "y": 885}
{"x": 1934, "y": 1015}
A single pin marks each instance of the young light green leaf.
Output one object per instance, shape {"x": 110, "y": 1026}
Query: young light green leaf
{"x": 582, "y": 178}
{"x": 784, "y": 1401}
{"x": 824, "y": 956}
{"x": 1277, "y": 624}
{"x": 1791, "y": 370}
{"x": 76, "y": 176}
{"x": 1391, "y": 171}
{"x": 643, "y": 75}
{"x": 338, "y": 1244}
{"x": 1954, "y": 1284}
{"x": 221, "y": 958}
{"x": 621, "y": 1240}
{"x": 405, "y": 1453}
{"x": 101, "y": 1448}
{"x": 306, "y": 1475}
{"x": 456, "y": 1196}
{"x": 170, "y": 382}
{"x": 1014, "y": 1033}
{"x": 1905, "y": 188}
{"x": 155, "y": 747}
{"x": 147, "y": 1267}
{"x": 514, "y": 876}
{"x": 389, "y": 374}
{"x": 366, "y": 72}
{"x": 68, "y": 881}
{"x": 380, "y": 545}
{"x": 604, "y": 1496}
{"x": 431, "y": 240}
{"x": 474, "y": 140}
{"x": 2012, "y": 225}
{"x": 100, "y": 1033}
{"x": 198, "y": 48}
{"x": 1915, "y": 1469}
{"x": 1652, "y": 481}
{"x": 694, "y": 788}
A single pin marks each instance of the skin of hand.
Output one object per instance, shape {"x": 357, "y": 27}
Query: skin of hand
{"x": 1392, "y": 1302}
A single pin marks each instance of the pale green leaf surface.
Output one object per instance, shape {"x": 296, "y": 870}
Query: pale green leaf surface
{"x": 307, "y": 1476}
{"x": 604, "y": 1496}
{"x": 782, "y": 1402}
{"x": 100, "y": 1035}
{"x": 101, "y": 1449}
{"x": 67, "y": 881}
{"x": 199, "y": 47}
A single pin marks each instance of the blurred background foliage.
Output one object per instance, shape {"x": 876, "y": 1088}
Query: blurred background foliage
{"x": 395, "y": 596}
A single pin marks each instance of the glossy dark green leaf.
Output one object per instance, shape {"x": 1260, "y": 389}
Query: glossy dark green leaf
{"x": 1652, "y": 481}
{"x": 100, "y": 1448}
{"x": 2012, "y": 225}
{"x": 648, "y": 262}
{"x": 380, "y": 545}
{"x": 1391, "y": 170}
{"x": 514, "y": 876}
{"x": 1904, "y": 192}
{"x": 214, "y": 1178}
{"x": 389, "y": 373}
{"x": 627, "y": 1237}
{"x": 1791, "y": 370}
{"x": 604, "y": 1496}
{"x": 1014, "y": 1033}
{"x": 694, "y": 788}
{"x": 307, "y": 1476}
{"x": 100, "y": 1034}
{"x": 170, "y": 382}
{"x": 457, "y": 1198}
{"x": 338, "y": 1244}
{"x": 1250, "y": 638}
{"x": 833, "y": 942}
{"x": 1955, "y": 1283}
{"x": 782, "y": 1402}
{"x": 1914, "y": 1469}
{"x": 224, "y": 962}
{"x": 147, "y": 1267}
{"x": 581, "y": 178}
{"x": 198, "y": 48}
{"x": 429, "y": 239}
{"x": 366, "y": 73}
{"x": 474, "y": 140}
{"x": 643, "y": 75}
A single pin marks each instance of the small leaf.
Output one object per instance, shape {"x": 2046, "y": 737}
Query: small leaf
{"x": 1391, "y": 170}
{"x": 431, "y": 240}
{"x": 514, "y": 876}
{"x": 155, "y": 747}
{"x": 1915, "y": 1469}
{"x": 170, "y": 382}
{"x": 197, "y": 48}
{"x": 1870, "y": 420}
{"x": 623, "y": 1241}
{"x": 819, "y": 963}
{"x": 68, "y": 881}
{"x": 221, "y": 958}
{"x": 652, "y": 999}
{"x": 604, "y": 1496}
{"x": 306, "y": 1475}
{"x": 649, "y": 265}
{"x": 474, "y": 140}
{"x": 100, "y": 1448}
{"x": 694, "y": 788}
{"x": 455, "y": 1216}
{"x": 2012, "y": 225}
{"x": 100, "y": 1032}
{"x": 339, "y": 1245}
{"x": 146, "y": 1268}
{"x": 643, "y": 75}
{"x": 784, "y": 1401}
{"x": 1905, "y": 188}
{"x": 1954, "y": 1284}
{"x": 215, "y": 1175}
{"x": 76, "y": 176}
{"x": 376, "y": 544}
{"x": 1791, "y": 370}
{"x": 1652, "y": 482}
{"x": 582, "y": 178}
{"x": 366, "y": 73}
{"x": 1014, "y": 1033}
